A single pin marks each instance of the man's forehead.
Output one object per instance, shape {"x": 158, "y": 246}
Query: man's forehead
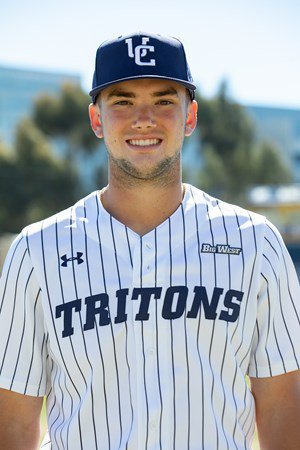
{"x": 144, "y": 85}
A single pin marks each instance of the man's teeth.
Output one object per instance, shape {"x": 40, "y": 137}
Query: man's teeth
{"x": 144, "y": 142}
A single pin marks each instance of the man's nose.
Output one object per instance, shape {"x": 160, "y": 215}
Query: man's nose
{"x": 144, "y": 119}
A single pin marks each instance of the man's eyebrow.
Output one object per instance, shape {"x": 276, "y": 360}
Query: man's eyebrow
{"x": 165, "y": 92}
{"x": 120, "y": 93}
{"x": 128, "y": 94}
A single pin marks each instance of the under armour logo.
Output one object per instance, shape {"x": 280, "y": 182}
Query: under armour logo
{"x": 72, "y": 258}
{"x": 140, "y": 51}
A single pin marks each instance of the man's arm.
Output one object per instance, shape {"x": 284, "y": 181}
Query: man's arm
{"x": 19, "y": 421}
{"x": 277, "y": 401}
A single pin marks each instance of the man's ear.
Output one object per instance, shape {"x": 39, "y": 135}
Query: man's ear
{"x": 95, "y": 115}
{"x": 191, "y": 118}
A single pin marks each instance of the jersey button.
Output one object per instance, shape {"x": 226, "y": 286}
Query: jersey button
{"x": 151, "y": 351}
{"x": 153, "y": 425}
{"x": 148, "y": 267}
{"x": 148, "y": 246}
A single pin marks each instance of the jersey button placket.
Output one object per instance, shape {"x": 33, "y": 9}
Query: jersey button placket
{"x": 148, "y": 338}
{"x": 151, "y": 350}
{"x": 144, "y": 336}
{"x": 148, "y": 262}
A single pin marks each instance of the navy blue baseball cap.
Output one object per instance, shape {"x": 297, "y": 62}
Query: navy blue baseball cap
{"x": 141, "y": 55}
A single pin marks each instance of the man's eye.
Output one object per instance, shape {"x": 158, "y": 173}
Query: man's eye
{"x": 165, "y": 102}
{"x": 122, "y": 102}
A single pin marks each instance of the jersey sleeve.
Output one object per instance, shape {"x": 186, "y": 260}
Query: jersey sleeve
{"x": 23, "y": 342}
{"x": 276, "y": 341}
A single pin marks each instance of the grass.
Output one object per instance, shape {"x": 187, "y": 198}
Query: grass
{"x": 43, "y": 422}
{"x": 255, "y": 445}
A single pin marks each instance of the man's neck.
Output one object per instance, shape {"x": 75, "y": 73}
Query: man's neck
{"x": 142, "y": 209}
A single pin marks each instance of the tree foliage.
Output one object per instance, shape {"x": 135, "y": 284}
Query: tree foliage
{"x": 224, "y": 123}
{"x": 270, "y": 167}
{"x": 232, "y": 159}
{"x": 36, "y": 180}
{"x": 66, "y": 115}
{"x": 10, "y": 194}
{"x": 33, "y": 182}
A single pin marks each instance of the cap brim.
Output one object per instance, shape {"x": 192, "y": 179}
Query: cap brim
{"x": 94, "y": 92}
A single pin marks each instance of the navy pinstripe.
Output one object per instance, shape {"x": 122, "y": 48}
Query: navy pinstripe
{"x": 225, "y": 306}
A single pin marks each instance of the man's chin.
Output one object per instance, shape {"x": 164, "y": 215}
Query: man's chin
{"x": 146, "y": 173}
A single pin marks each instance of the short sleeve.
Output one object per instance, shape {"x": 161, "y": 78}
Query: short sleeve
{"x": 23, "y": 340}
{"x": 276, "y": 341}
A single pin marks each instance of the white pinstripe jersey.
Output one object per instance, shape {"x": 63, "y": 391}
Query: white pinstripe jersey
{"x": 144, "y": 342}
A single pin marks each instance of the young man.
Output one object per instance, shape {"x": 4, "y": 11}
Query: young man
{"x": 140, "y": 310}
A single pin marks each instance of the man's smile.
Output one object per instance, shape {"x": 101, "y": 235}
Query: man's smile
{"x": 144, "y": 143}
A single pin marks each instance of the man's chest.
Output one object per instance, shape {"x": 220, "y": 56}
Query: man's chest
{"x": 94, "y": 294}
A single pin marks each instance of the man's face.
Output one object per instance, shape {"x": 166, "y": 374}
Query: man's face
{"x": 143, "y": 123}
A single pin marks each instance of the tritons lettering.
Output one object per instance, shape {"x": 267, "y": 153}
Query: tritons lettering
{"x": 174, "y": 304}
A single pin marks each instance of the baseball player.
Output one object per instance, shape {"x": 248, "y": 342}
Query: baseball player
{"x": 139, "y": 311}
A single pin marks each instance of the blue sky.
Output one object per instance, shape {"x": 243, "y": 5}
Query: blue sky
{"x": 254, "y": 44}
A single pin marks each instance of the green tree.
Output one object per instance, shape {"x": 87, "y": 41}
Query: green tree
{"x": 232, "y": 160}
{"x": 34, "y": 183}
{"x": 66, "y": 116}
{"x": 10, "y": 194}
{"x": 270, "y": 167}
{"x": 224, "y": 123}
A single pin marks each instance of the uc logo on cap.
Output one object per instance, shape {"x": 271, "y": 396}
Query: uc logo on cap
{"x": 140, "y": 51}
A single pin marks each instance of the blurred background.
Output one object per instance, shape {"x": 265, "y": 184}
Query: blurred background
{"x": 244, "y": 57}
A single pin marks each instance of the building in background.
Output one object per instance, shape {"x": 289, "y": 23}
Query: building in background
{"x": 18, "y": 90}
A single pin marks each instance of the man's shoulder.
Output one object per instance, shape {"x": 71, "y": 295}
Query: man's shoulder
{"x": 64, "y": 219}
{"x": 218, "y": 208}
